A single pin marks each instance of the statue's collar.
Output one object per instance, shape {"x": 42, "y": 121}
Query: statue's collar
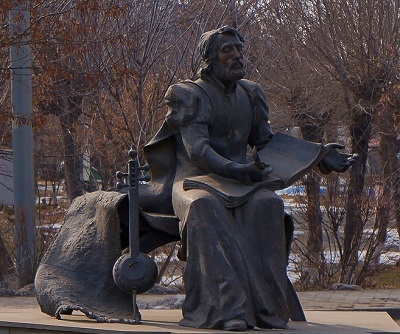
{"x": 226, "y": 89}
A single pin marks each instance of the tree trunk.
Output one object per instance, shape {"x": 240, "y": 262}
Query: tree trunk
{"x": 314, "y": 132}
{"x": 6, "y": 263}
{"x": 389, "y": 162}
{"x": 393, "y": 109}
{"x": 73, "y": 160}
{"x": 360, "y": 130}
{"x": 388, "y": 157}
{"x": 397, "y": 200}
{"x": 311, "y": 126}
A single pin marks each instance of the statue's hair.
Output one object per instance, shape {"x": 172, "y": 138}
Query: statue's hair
{"x": 208, "y": 47}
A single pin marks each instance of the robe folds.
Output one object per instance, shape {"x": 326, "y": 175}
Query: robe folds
{"x": 236, "y": 257}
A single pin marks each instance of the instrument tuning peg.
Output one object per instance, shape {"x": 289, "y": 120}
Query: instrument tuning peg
{"x": 132, "y": 153}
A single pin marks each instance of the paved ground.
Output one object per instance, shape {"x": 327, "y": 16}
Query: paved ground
{"x": 350, "y": 300}
{"x": 363, "y": 300}
{"x": 320, "y": 306}
{"x": 32, "y": 321}
{"x": 329, "y": 300}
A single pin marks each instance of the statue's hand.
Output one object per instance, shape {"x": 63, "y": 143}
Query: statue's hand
{"x": 335, "y": 161}
{"x": 256, "y": 172}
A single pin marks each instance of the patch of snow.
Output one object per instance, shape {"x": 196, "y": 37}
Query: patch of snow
{"x": 389, "y": 258}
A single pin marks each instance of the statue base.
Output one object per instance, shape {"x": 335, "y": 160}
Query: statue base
{"x": 32, "y": 320}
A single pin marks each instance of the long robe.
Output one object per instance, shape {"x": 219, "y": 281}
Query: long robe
{"x": 236, "y": 258}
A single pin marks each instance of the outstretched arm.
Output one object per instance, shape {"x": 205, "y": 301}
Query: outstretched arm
{"x": 335, "y": 161}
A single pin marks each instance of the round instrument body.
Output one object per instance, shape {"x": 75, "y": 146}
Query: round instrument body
{"x": 135, "y": 273}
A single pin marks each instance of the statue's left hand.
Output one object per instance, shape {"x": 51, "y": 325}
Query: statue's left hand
{"x": 335, "y": 161}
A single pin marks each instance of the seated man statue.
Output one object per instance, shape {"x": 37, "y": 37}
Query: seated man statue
{"x": 235, "y": 276}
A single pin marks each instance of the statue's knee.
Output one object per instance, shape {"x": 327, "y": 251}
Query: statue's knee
{"x": 269, "y": 199}
{"x": 206, "y": 203}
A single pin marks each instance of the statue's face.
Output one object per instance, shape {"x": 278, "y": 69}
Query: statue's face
{"x": 228, "y": 65}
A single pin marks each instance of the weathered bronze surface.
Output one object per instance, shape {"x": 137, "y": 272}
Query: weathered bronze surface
{"x": 236, "y": 255}
{"x": 134, "y": 272}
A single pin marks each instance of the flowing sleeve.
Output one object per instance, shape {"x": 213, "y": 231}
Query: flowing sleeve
{"x": 261, "y": 132}
{"x": 189, "y": 114}
{"x": 186, "y": 106}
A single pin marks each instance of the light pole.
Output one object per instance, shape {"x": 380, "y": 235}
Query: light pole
{"x": 22, "y": 140}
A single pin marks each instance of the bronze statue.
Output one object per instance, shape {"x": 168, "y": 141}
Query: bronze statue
{"x": 235, "y": 275}
{"x": 236, "y": 253}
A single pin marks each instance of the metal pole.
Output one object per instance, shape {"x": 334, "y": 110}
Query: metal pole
{"x": 22, "y": 134}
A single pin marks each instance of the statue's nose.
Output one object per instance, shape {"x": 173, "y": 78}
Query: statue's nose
{"x": 238, "y": 53}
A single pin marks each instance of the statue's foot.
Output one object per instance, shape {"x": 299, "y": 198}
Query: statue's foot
{"x": 237, "y": 325}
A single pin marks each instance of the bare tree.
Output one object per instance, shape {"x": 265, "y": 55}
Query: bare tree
{"x": 349, "y": 41}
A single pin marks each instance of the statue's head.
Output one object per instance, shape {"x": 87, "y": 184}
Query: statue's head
{"x": 221, "y": 51}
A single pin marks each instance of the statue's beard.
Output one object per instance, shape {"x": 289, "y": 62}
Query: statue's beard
{"x": 228, "y": 73}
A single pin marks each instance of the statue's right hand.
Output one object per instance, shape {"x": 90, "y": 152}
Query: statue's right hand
{"x": 255, "y": 173}
{"x": 244, "y": 177}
